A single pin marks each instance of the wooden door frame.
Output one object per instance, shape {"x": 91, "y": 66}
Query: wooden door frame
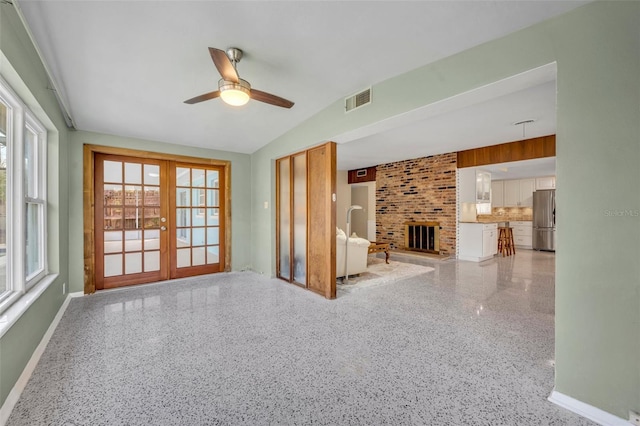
{"x": 89, "y": 152}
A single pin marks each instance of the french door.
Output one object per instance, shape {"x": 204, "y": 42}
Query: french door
{"x": 156, "y": 220}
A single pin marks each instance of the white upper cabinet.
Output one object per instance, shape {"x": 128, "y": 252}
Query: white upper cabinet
{"x": 497, "y": 193}
{"x": 483, "y": 186}
{"x": 519, "y": 192}
{"x": 474, "y": 185}
{"x": 527, "y": 187}
{"x": 547, "y": 182}
{"x": 511, "y": 193}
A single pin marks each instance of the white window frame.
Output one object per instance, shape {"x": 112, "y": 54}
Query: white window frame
{"x": 19, "y": 118}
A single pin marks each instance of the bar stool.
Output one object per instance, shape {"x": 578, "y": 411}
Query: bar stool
{"x": 506, "y": 245}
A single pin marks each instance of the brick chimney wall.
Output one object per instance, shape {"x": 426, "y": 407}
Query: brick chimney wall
{"x": 418, "y": 190}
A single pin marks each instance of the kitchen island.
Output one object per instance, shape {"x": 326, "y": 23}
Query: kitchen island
{"x": 478, "y": 241}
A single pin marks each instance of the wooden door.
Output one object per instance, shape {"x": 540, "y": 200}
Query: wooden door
{"x": 156, "y": 219}
{"x": 197, "y": 206}
{"x": 131, "y": 211}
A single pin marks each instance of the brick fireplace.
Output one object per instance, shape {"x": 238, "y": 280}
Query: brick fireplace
{"x": 421, "y": 190}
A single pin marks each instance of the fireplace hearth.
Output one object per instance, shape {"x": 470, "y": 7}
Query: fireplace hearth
{"x": 422, "y": 236}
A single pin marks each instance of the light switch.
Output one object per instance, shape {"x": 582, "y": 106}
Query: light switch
{"x": 266, "y": 204}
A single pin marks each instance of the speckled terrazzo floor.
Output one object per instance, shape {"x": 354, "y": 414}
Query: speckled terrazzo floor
{"x": 465, "y": 344}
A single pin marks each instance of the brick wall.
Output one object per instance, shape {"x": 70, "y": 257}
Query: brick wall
{"x": 418, "y": 190}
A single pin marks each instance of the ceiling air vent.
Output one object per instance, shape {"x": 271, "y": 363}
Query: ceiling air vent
{"x": 358, "y": 100}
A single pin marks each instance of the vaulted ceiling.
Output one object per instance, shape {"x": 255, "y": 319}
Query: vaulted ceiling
{"x": 125, "y": 67}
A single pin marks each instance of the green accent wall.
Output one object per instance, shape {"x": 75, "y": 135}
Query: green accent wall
{"x": 240, "y": 199}
{"x": 21, "y": 67}
{"x": 597, "y": 51}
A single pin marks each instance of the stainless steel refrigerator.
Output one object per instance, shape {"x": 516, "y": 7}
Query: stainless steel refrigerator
{"x": 544, "y": 220}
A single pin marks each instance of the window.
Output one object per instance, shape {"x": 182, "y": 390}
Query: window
{"x": 23, "y": 198}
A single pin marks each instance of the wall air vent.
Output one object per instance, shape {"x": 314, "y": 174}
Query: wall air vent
{"x": 358, "y": 100}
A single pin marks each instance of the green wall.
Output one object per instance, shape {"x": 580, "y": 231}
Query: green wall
{"x": 240, "y": 195}
{"x": 21, "y": 67}
{"x": 597, "y": 51}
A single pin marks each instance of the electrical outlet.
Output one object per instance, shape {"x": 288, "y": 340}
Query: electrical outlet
{"x": 64, "y": 288}
{"x": 634, "y": 418}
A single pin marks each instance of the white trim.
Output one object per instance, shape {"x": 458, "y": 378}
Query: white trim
{"x": 14, "y": 395}
{"x": 585, "y": 410}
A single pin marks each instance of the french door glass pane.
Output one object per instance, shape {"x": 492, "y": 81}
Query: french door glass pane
{"x": 132, "y": 263}
{"x": 133, "y": 218}
{"x": 132, "y": 240}
{"x": 213, "y": 254}
{"x": 182, "y": 197}
{"x": 151, "y": 174}
{"x": 183, "y": 258}
{"x": 133, "y": 173}
{"x": 133, "y": 195}
{"x": 152, "y": 240}
{"x": 198, "y": 236}
{"x": 183, "y": 176}
{"x": 4, "y": 204}
{"x": 212, "y": 179}
{"x": 213, "y": 217}
{"x": 198, "y": 177}
{"x": 113, "y": 195}
{"x": 112, "y": 265}
{"x": 213, "y": 235}
{"x": 184, "y": 237}
{"x": 113, "y": 241}
{"x": 151, "y": 261}
{"x": 112, "y": 172}
{"x": 198, "y": 256}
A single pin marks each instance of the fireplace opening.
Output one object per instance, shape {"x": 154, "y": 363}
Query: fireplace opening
{"x": 422, "y": 236}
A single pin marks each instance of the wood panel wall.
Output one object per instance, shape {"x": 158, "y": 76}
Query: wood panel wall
{"x": 528, "y": 149}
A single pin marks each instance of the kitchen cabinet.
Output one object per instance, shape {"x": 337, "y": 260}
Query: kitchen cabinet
{"x": 519, "y": 192}
{"x": 478, "y": 241}
{"x": 483, "y": 186}
{"x": 474, "y": 185}
{"x": 522, "y": 233}
{"x": 546, "y": 182}
{"x": 527, "y": 188}
{"x": 497, "y": 193}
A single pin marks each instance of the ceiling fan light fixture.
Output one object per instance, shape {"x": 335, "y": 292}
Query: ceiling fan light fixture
{"x": 235, "y": 94}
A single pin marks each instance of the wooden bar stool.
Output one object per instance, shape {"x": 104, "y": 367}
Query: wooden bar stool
{"x": 506, "y": 245}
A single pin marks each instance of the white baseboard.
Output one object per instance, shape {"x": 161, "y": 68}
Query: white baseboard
{"x": 585, "y": 410}
{"x": 14, "y": 395}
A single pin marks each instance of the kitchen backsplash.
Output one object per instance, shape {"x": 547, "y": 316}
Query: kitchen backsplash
{"x": 499, "y": 214}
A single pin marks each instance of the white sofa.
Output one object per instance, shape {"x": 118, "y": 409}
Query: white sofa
{"x": 357, "y": 254}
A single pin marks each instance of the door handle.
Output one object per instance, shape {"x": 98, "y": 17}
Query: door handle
{"x": 163, "y": 228}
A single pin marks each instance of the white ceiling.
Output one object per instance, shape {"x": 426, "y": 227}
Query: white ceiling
{"x": 125, "y": 68}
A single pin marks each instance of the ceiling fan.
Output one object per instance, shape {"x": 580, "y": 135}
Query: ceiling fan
{"x": 231, "y": 88}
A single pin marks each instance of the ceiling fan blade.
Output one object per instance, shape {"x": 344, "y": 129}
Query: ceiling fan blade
{"x": 224, "y": 65}
{"x": 201, "y": 98}
{"x": 268, "y": 98}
